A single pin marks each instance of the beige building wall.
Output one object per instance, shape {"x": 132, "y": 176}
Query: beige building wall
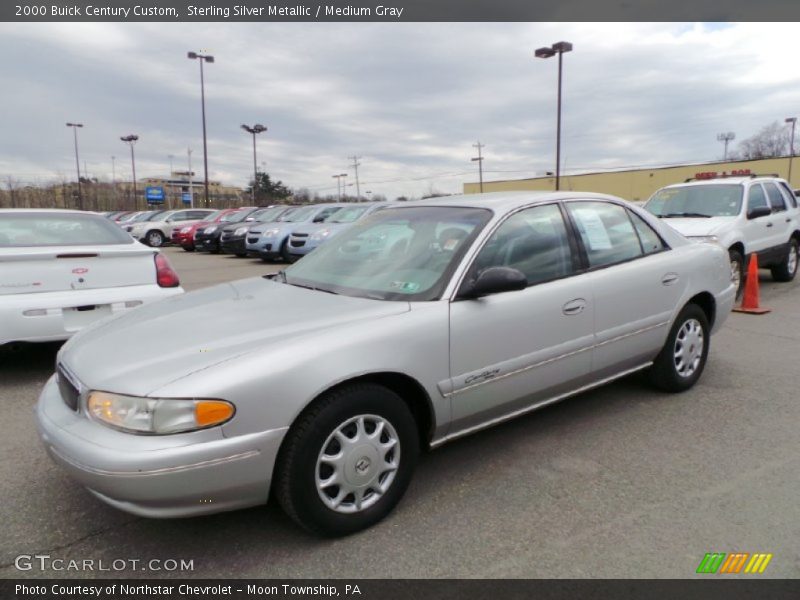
{"x": 638, "y": 185}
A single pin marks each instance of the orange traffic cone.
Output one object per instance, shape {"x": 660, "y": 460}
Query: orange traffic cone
{"x": 750, "y": 299}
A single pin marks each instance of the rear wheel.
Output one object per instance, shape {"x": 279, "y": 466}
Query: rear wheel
{"x": 188, "y": 248}
{"x": 347, "y": 460}
{"x": 737, "y": 270}
{"x": 241, "y": 254}
{"x": 786, "y": 270}
{"x": 682, "y": 359}
{"x": 155, "y": 238}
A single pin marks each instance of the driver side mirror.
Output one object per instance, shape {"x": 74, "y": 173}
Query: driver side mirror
{"x": 759, "y": 211}
{"x": 494, "y": 280}
{"x": 318, "y": 219}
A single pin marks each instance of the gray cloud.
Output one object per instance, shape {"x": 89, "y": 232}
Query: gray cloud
{"x": 410, "y": 98}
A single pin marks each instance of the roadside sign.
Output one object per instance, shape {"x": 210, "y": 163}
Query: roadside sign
{"x": 154, "y": 194}
{"x": 186, "y": 198}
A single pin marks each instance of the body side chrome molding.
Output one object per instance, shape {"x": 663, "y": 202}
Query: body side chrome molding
{"x": 497, "y": 420}
{"x": 550, "y": 360}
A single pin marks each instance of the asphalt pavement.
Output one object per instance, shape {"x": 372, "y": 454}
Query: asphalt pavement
{"x": 622, "y": 481}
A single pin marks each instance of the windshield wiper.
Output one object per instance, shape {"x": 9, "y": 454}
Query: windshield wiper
{"x": 685, "y": 214}
{"x": 316, "y": 289}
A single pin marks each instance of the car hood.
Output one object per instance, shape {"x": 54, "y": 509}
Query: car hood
{"x": 698, "y": 225}
{"x": 151, "y": 346}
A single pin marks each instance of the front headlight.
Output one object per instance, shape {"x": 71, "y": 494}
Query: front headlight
{"x": 321, "y": 235}
{"x": 711, "y": 239}
{"x": 271, "y": 232}
{"x": 210, "y": 229}
{"x": 186, "y": 229}
{"x": 240, "y": 231}
{"x": 157, "y": 415}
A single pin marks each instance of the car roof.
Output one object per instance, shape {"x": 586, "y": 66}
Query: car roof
{"x": 501, "y": 202}
{"x": 725, "y": 180}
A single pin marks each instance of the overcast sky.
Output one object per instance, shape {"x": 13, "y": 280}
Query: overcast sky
{"x": 409, "y": 98}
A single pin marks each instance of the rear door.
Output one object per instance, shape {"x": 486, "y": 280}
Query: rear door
{"x": 781, "y": 220}
{"x": 636, "y": 281}
{"x": 757, "y": 232}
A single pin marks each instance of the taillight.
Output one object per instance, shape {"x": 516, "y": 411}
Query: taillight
{"x": 165, "y": 275}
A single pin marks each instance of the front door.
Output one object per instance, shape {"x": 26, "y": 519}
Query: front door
{"x": 511, "y": 350}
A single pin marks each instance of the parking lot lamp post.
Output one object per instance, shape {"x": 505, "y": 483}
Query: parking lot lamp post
{"x": 210, "y": 59}
{"x": 558, "y": 48}
{"x": 254, "y": 130}
{"x": 131, "y": 140}
{"x": 793, "y": 121}
{"x": 77, "y": 162}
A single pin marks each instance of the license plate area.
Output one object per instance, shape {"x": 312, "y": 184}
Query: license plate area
{"x": 78, "y": 317}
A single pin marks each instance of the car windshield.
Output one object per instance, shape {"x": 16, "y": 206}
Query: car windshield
{"x": 52, "y": 229}
{"x": 235, "y": 217}
{"x": 347, "y": 215}
{"x": 697, "y": 201}
{"x": 266, "y": 215}
{"x": 398, "y": 254}
{"x": 304, "y": 213}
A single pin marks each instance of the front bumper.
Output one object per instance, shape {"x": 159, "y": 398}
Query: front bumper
{"x": 62, "y": 317}
{"x": 234, "y": 246}
{"x": 178, "y": 475}
{"x": 206, "y": 243}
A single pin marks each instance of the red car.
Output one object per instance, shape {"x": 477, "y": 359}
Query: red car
{"x": 183, "y": 236}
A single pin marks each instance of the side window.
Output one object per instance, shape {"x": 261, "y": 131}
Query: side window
{"x": 788, "y": 194}
{"x": 606, "y": 231}
{"x": 775, "y": 197}
{"x": 197, "y": 214}
{"x": 756, "y": 197}
{"x": 534, "y": 241}
{"x": 651, "y": 242}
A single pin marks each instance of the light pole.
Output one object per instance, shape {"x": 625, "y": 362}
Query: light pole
{"x": 203, "y": 58}
{"x": 77, "y": 162}
{"x": 338, "y": 179}
{"x": 725, "y": 138}
{"x": 131, "y": 140}
{"x": 254, "y": 130}
{"x": 793, "y": 121}
{"x": 479, "y": 160}
{"x": 356, "y": 164}
{"x": 558, "y": 48}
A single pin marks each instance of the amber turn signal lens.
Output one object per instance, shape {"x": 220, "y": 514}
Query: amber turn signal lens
{"x": 212, "y": 412}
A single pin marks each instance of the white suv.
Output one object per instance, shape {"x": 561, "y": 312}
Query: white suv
{"x": 746, "y": 215}
{"x": 157, "y": 233}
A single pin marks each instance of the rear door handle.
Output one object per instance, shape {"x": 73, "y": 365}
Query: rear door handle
{"x": 574, "y": 307}
{"x": 669, "y": 278}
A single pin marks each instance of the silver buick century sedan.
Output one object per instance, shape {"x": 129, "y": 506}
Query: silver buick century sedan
{"x": 420, "y": 324}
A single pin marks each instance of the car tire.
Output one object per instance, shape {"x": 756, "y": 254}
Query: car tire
{"x": 241, "y": 254}
{"x": 285, "y": 251}
{"x": 375, "y": 471}
{"x": 681, "y": 361}
{"x": 215, "y": 249}
{"x": 188, "y": 248}
{"x": 154, "y": 238}
{"x": 786, "y": 270}
{"x": 737, "y": 271}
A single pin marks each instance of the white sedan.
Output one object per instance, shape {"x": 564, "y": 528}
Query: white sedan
{"x": 61, "y": 270}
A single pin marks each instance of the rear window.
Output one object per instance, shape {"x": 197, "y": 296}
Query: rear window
{"x": 53, "y": 229}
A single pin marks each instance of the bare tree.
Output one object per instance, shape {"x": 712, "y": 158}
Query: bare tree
{"x": 771, "y": 141}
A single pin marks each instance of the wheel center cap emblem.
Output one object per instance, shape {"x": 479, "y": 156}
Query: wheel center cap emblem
{"x": 362, "y": 465}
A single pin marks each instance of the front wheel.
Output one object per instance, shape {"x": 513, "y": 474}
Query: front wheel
{"x": 347, "y": 460}
{"x": 737, "y": 271}
{"x": 682, "y": 359}
{"x": 786, "y": 270}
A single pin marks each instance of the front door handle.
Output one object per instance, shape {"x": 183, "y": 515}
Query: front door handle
{"x": 769, "y": 224}
{"x": 669, "y": 278}
{"x": 574, "y": 307}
